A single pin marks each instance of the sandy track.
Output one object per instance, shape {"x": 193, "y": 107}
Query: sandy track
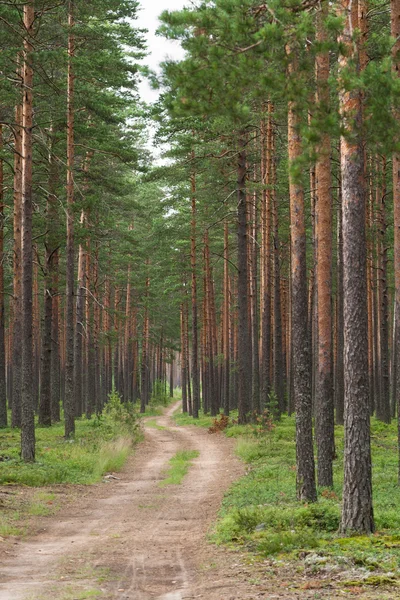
{"x": 132, "y": 539}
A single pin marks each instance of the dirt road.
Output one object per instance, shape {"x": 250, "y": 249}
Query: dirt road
{"x": 132, "y": 539}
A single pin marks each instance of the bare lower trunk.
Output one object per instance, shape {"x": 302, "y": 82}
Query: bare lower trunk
{"x": 265, "y": 262}
{"x": 357, "y": 513}
{"x": 226, "y": 323}
{"x": 3, "y": 389}
{"x": 47, "y": 349}
{"x": 69, "y": 402}
{"x": 339, "y": 372}
{"x": 244, "y": 343}
{"x": 27, "y": 408}
{"x": 55, "y": 353}
{"x": 306, "y": 489}
{"x": 395, "y": 30}
{"x": 17, "y": 278}
{"x": 324, "y": 382}
{"x": 195, "y": 349}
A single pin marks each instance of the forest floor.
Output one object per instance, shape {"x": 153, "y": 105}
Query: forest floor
{"x": 134, "y": 538}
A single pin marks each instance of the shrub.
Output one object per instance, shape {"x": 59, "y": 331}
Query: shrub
{"x": 121, "y": 414}
{"x": 262, "y": 424}
{"x": 219, "y": 424}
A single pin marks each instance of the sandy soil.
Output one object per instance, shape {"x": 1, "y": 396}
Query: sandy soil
{"x": 133, "y": 539}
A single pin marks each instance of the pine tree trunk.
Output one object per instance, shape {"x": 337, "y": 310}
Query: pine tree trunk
{"x": 116, "y": 351}
{"x": 395, "y": 30}
{"x": 211, "y": 326}
{"x": 171, "y": 375}
{"x": 69, "y": 401}
{"x": 324, "y": 382}
{"x": 127, "y": 335}
{"x": 44, "y": 416}
{"x": 266, "y": 262}
{"x": 36, "y": 333}
{"x": 244, "y": 342}
{"x": 27, "y": 407}
{"x": 80, "y": 329}
{"x": 357, "y": 512}
{"x": 96, "y": 335}
{"x": 306, "y": 489}
{"x": 255, "y": 344}
{"x": 47, "y": 348}
{"x": 183, "y": 362}
{"x": 187, "y": 354}
{"x": 55, "y": 340}
{"x": 383, "y": 301}
{"x": 339, "y": 372}
{"x": 195, "y": 334}
{"x": 3, "y": 387}
{"x": 145, "y": 364}
{"x": 278, "y": 362}
{"x": 17, "y": 279}
{"x": 226, "y": 322}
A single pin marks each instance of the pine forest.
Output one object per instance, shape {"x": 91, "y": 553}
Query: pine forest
{"x": 199, "y": 299}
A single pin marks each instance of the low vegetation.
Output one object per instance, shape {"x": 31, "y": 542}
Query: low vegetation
{"x": 100, "y": 445}
{"x": 260, "y": 513}
{"x": 180, "y": 464}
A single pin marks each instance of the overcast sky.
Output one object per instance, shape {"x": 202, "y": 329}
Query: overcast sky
{"x": 158, "y": 47}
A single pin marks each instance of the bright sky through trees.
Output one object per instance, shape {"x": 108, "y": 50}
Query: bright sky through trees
{"x": 159, "y": 48}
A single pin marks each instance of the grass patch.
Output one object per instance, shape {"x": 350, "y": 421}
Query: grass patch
{"x": 153, "y": 423}
{"x": 180, "y": 464}
{"x": 260, "y": 512}
{"x": 7, "y": 530}
{"x": 100, "y": 445}
{"x": 71, "y": 593}
{"x": 112, "y": 455}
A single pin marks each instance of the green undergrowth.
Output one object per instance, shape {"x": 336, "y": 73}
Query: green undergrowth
{"x": 179, "y": 466}
{"x": 206, "y": 421}
{"x": 159, "y": 401}
{"x": 100, "y": 445}
{"x": 260, "y": 511}
{"x": 154, "y": 425}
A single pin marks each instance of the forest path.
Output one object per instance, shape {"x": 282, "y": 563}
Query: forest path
{"x": 131, "y": 539}
{"x": 135, "y": 540}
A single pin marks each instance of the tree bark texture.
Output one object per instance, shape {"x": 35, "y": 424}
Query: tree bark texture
{"x": 244, "y": 343}
{"x": 357, "y": 512}
{"x": 306, "y": 489}
{"x": 69, "y": 402}
{"x": 27, "y": 406}
{"x": 324, "y": 403}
